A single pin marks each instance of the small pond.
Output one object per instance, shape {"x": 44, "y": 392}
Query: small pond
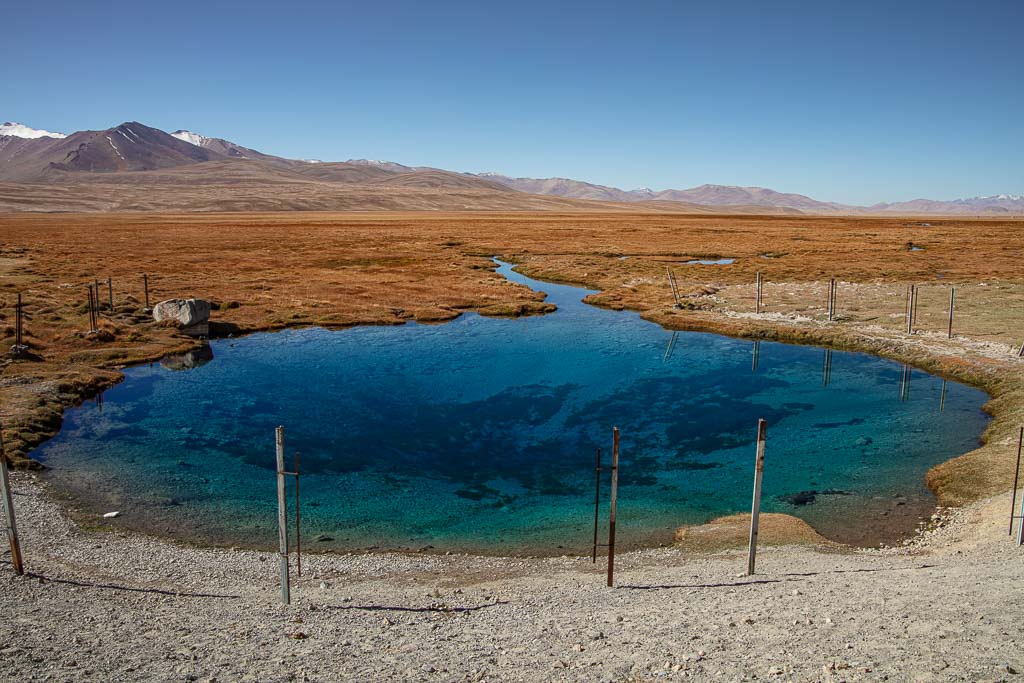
{"x": 711, "y": 262}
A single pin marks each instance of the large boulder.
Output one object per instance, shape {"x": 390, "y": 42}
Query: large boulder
{"x": 188, "y": 314}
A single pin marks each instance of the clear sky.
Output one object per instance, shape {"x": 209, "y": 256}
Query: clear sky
{"x": 851, "y": 101}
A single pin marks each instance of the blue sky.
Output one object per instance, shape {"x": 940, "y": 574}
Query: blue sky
{"x": 855, "y": 102}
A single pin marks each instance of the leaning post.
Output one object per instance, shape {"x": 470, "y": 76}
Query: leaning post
{"x": 92, "y": 309}
{"x": 282, "y": 518}
{"x": 755, "y": 508}
{"x": 12, "y": 527}
{"x": 952, "y": 294}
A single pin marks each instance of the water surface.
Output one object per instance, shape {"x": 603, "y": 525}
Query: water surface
{"x": 480, "y": 434}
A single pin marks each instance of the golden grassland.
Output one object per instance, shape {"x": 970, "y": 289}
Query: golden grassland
{"x": 273, "y": 270}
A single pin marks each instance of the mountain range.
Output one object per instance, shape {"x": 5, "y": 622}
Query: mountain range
{"x": 137, "y": 167}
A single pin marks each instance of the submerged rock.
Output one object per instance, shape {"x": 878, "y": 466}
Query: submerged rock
{"x": 808, "y": 497}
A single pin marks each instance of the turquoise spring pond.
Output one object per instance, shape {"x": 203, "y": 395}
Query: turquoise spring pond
{"x": 479, "y": 435}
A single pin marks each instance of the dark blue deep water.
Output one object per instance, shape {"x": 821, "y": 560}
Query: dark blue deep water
{"x": 480, "y": 434}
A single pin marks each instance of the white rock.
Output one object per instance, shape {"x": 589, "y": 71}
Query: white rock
{"x": 111, "y": 515}
{"x": 186, "y": 312}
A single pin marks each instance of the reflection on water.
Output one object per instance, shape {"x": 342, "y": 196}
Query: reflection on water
{"x": 480, "y": 434}
{"x": 189, "y": 360}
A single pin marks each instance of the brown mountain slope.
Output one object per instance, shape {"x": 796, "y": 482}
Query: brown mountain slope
{"x": 437, "y": 178}
{"x": 128, "y": 147}
{"x": 244, "y": 186}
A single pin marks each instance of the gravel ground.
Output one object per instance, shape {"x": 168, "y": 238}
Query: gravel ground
{"x": 112, "y": 606}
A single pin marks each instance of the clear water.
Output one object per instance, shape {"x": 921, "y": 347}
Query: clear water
{"x": 480, "y": 434}
{"x": 711, "y": 262}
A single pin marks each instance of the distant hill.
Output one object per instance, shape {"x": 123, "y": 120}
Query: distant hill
{"x": 1000, "y": 204}
{"x": 139, "y": 166}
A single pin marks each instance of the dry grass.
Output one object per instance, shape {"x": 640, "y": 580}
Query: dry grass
{"x": 733, "y": 531}
{"x": 279, "y": 269}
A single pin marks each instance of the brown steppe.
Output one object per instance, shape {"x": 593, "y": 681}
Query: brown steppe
{"x": 272, "y": 270}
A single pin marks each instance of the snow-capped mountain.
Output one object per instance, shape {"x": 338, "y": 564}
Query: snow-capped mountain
{"x": 19, "y": 130}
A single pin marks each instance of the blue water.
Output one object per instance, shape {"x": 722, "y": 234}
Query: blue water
{"x": 480, "y": 434}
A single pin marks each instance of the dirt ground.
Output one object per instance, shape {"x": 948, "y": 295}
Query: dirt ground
{"x": 112, "y": 606}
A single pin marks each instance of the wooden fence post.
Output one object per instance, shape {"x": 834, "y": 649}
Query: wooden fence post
{"x": 298, "y": 525}
{"x": 92, "y": 309}
{"x": 952, "y": 294}
{"x": 757, "y": 300}
{"x": 911, "y": 301}
{"x": 597, "y": 504}
{"x": 675, "y": 288}
{"x": 19, "y": 325}
{"x": 831, "y": 299}
{"x": 755, "y": 507}
{"x": 8, "y": 504}
{"x": 282, "y": 518}
{"x": 110, "y": 292}
{"x": 611, "y": 514}
{"x": 917, "y": 298}
{"x": 1016, "y": 474}
{"x": 145, "y": 286}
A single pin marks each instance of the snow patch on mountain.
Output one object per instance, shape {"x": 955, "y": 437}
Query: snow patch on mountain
{"x": 191, "y": 138}
{"x": 19, "y": 130}
{"x": 1003, "y": 197}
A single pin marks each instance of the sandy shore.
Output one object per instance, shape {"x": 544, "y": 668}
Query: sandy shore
{"x": 109, "y": 606}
